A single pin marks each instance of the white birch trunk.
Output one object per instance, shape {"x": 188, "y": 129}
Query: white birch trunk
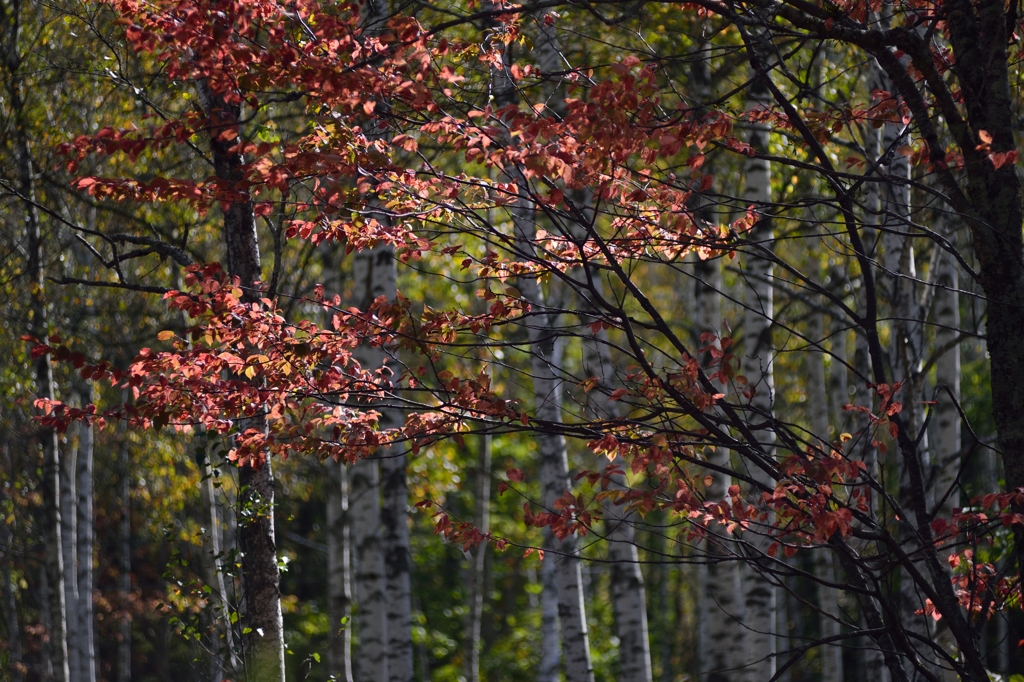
{"x": 628, "y": 594}
{"x": 215, "y": 672}
{"x": 545, "y": 358}
{"x": 906, "y": 350}
{"x": 373, "y": 272}
{"x": 829, "y": 619}
{"x": 394, "y": 512}
{"x": 69, "y": 533}
{"x": 53, "y": 645}
{"x": 397, "y": 557}
{"x": 817, "y": 398}
{"x": 56, "y": 665}
{"x": 85, "y": 542}
{"x": 839, "y": 384}
{"x": 550, "y": 640}
{"x": 720, "y": 635}
{"x": 721, "y": 609}
{"x": 828, "y": 568}
{"x": 907, "y": 326}
{"x": 860, "y": 447}
{"x": 947, "y": 373}
{"x": 339, "y": 578}
{"x": 1004, "y": 645}
{"x": 627, "y": 584}
{"x": 223, "y": 634}
{"x": 759, "y": 594}
{"x": 947, "y": 417}
{"x": 371, "y": 614}
{"x": 555, "y": 482}
{"x": 629, "y": 600}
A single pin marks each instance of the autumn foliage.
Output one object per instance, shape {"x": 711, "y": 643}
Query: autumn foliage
{"x": 424, "y": 137}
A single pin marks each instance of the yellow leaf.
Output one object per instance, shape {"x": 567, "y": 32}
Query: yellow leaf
{"x": 165, "y": 335}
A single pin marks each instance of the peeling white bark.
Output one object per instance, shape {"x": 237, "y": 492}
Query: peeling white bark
{"x": 339, "y": 579}
{"x": 550, "y": 640}
{"x": 759, "y": 595}
{"x": 947, "y": 417}
{"x": 69, "y": 533}
{"x": 545, "y": 358}
{"x": 627, "y": 584}
{"x": 373, "y": 271}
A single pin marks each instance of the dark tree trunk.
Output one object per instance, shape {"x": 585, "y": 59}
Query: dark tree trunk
{"x": 264, "y": 643}
{"x": 10, "y": 605}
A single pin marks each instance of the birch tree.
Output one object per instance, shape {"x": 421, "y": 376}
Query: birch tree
{"x": 339, "y": 572}
{"x": 545, "y": 360}
{"x": 373, "y": 275}
{"x": 550, "y": 633}
{"x": 907, "y": 327}
{"x": 720, "y": 606}
{"x": 58, "y": 667}
{"x": 948, "y": 465}
{"x": 828, "y": 603}
{"x": 69, "y": 550}
{"x": 759, "y": 594}
{"x": 381, "y": 281}
{"x": 478, "y": 559}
